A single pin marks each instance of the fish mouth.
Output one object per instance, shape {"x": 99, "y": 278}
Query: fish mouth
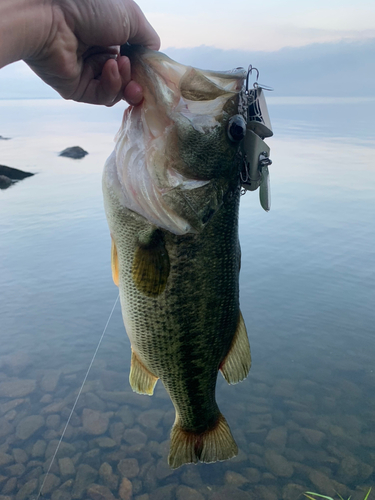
{"x": 178, "y": 100}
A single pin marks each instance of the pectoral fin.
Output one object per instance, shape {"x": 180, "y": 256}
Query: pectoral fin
{"x": 150, "y": 269}
{"x": 114, "y": 263}
{"x": 141, "y": 380}
{"x": 237, "y": 362}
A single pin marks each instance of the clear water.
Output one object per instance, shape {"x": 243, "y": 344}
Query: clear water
{"x": 305, "y": 417}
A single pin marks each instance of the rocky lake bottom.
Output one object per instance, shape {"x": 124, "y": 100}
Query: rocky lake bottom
{"x": 291, "y": 435}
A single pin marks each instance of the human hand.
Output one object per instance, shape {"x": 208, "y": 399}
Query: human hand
{"x": 80, "y": 57}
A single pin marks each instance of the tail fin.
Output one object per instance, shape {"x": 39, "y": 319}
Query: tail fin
{"x": 212, "y": 445}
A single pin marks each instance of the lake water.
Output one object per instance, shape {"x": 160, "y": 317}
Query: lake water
{"x": 305, "y": 417}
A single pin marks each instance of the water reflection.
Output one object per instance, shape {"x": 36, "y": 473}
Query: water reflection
{"x": 305, "y": 417}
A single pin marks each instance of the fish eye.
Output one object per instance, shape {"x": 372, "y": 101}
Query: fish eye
{"x": 236, "y": 128}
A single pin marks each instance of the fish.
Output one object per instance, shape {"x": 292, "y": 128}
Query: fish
{"x": 171, "y": 195}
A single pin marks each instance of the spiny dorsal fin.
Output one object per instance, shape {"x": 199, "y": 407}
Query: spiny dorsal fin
{"x": 141, "y": 380}
{"x": 114, "y": 263}
{"x": 237, "y": 362}
{"x": 213, "y": 445}
{"x": 150, "y": 269}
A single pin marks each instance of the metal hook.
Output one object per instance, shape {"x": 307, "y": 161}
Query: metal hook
{"x": 249, "y": 71}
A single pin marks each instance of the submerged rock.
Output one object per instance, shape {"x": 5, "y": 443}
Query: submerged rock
{"x": 29, "y": 426}
{"x": 94, "y": 422}
{"x": 17, "y": 388}
{"x": 74, "y": 152}
{"x": 86, "y": 475}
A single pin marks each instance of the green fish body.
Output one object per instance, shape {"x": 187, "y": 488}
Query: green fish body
{"x": 171, "y": 192}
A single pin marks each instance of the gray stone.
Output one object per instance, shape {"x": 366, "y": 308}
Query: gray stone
{"x": 126, "y": 489}
{"x": 65, "y": 449}
{"x": 163, "y": 493}
{"x": 162, "y": 469}
{"x": 312, "y": 436}
{"x": 352, "y": 470}
{"x": 16, "y": 470}
{"x": 50, "y": 380}
{"x": 231, "y": 493}
{"x": 39, "y": 449}
{"x": 66, "y": 467}
{"x": 265, "y": 493}
{"x": 135, "y": 436}
{"x": 276, "y": 439}
{"x": 94, "y": 422}
{"x": 234, "y": 478}
{"x": 99, "y": 492}
{"x": 60, "y": 495}
{"x": 53, "y": 407}
{"x": 46, "y": 399}
{"x": 322, "y": 482}
{"x": 128, "y": 467}
{"x": 186, "y": 493}
{"x": 53, "y": 421}
{"x": 116, "y": 431}
{"x": 11, "y": 415}
{"x": 93, "y": 402}
{"x": 252, "y": 475}
{"x": 17, "y": 362}
{"x": 5, "y": 459}
{"x": 126, "y": 415}
{"x": 86, "y": 475}
{"x": 92, "y": 458}
{"x": 29, "y": 426}
{"x": 151, "y": 418}
{"x": 20, "y": 456}
{"x": 105, "y": 442}
{"x": 106, "y": 475}
{"x": 191, "y": 476}
{"x": 9, "y": 486}
{"x": 10, "y": 405}
{"x": 27, "y": 489}
{"x": 17, "y": 388}
{"x": 6, "y": 428}
{"x": 51, "y": 482}
{"x": 277, "y": 464}
{"x": 293, "y": 492}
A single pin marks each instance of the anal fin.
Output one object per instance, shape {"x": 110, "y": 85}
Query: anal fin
{"x": 237, "y": 362}
{"x": 114, "y": 263}
{"x": 141, "y": 380}
{"x": 213, "y": 445}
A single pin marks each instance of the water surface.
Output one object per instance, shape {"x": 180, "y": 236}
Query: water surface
{"x": 305, "y": 417}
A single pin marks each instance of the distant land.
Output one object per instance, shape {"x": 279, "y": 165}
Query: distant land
{"x": 341, "y": 69}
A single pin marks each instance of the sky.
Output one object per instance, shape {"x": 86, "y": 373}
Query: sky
{"x": 309, "y": 47}
{"x": 259, "y": 25}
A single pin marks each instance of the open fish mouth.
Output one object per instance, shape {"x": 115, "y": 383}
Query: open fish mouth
{"x": 181, "y": 104}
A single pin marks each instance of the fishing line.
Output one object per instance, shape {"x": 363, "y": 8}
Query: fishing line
{"x": 77, "y": 398}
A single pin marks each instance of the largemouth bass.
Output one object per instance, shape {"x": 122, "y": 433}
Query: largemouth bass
{"x": 171, "y": 192}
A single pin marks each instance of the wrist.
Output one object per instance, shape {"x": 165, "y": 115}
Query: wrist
{"x": 24, "y": 28}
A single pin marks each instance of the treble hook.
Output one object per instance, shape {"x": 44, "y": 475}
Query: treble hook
{"x": 249, "y": 71}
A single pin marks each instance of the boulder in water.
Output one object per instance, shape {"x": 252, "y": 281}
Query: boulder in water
{"x": 74, "y": 152}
